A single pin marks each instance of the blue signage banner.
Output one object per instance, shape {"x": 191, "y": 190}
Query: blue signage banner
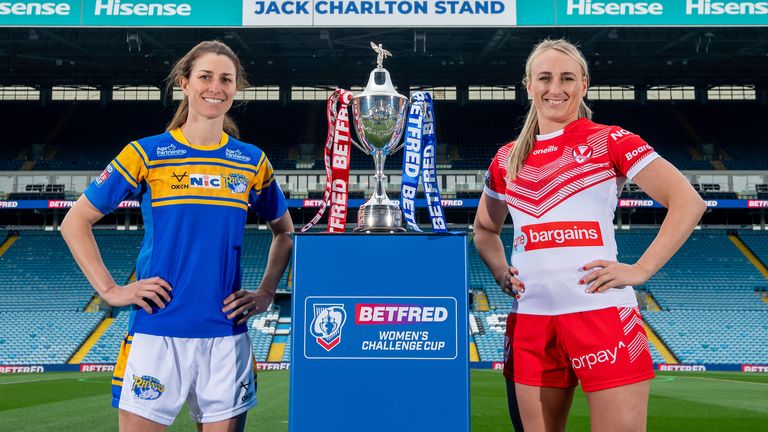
{"x": 376, "y": 327}
{"x": 378, "y": 336}
{"x": 420, "y": 203}
{"x": 383, "y": 13}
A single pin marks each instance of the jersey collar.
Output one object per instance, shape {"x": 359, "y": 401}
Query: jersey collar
{"x": 179, "y": 136}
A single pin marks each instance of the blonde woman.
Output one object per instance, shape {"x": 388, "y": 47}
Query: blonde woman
{"x": 187, "y": 340}
{"x": 576, "y": 318}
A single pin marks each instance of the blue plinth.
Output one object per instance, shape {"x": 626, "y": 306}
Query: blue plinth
{"x": 379, "y": 333}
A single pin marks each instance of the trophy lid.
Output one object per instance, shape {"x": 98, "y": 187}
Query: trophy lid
{"x": 379, "y": 81}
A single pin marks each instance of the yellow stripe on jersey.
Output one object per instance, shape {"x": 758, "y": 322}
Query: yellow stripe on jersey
{"x": 265, "y": 175}
{"x": 175, "y": 182}
{"x": 242, "y": 205}
{"x": 178, "y": 135}
{"x": 227, "y": 162}
{"x": 130, "y": 164}
{"x": 141, "y": 152}
{"x": 125, "y": 175}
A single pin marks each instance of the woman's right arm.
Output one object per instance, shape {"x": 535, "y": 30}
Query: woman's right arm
{"x": 490, "y": 217}
{"x": 77, "y": 230}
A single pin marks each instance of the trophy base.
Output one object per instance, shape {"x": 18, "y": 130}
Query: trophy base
{"x": 379, "y": 218}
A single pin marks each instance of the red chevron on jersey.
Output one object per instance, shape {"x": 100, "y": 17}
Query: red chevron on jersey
{"x": 542, "y": 185}
{"x": 563, "y": 201}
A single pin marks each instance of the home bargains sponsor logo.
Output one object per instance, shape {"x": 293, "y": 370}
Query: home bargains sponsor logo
{"x": 205, "y": 181}
{"x": 757, "y": 203}
{"x": 272, "y": 365}
{"x": 754, "y": 368}
{"x": 22, "y": 369}
{"x": 88, "y": 367}
{"x": 398, "y": 314}
{"x": 557, "y": 234}
{"x": 682, "y": 367}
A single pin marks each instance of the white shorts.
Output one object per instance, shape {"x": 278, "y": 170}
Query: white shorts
{"x": 154, "y": 375}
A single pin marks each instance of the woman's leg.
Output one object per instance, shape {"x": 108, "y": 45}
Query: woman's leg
{"x": 514, "y": 410}
{"x": 544, "y": 409}
{"x": 235, "y": 424}
{"x": 620, "y": 409}
{"x": 130, "y": 422}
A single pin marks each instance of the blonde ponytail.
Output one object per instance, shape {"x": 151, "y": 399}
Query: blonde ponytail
{"x": 527, "y": 138}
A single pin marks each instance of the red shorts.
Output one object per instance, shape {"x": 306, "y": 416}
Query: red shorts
{"x": 602, "y": 349}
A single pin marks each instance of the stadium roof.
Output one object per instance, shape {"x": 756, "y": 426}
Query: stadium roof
{"x": 455, "y": 56}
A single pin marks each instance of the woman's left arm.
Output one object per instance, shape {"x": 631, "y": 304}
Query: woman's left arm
{"x": 665, "y": 184}
{"x": 244, "y": 303}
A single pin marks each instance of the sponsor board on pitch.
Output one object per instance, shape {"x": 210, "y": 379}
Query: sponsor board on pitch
{"x": 395, "y": 328}
{"x": 682, "y": 367}
{"x": 14, "y": 369}
{"x": 754, "y": 368}
{"x": 97, "y": 367}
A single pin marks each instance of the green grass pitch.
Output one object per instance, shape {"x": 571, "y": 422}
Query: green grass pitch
{"x": 709, "y": 401}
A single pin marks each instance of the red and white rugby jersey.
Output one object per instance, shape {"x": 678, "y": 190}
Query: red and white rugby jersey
{"x": 562, "y": 205}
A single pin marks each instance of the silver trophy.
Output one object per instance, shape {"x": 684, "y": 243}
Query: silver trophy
{"x": 379, "y": 115}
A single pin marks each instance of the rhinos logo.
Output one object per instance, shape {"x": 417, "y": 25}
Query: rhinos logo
{"x": 327, "y": 324}
{"x": 237, "y": 183}
{"x": 147, "y": 387}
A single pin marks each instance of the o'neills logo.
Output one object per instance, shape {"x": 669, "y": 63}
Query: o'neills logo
{"x": 549, "y": 149}
{"x": 557, "y": 234}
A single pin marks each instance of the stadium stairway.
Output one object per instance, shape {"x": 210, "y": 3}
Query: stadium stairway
{"x": 8, "y": 243}
{"x": 81, "y": 352}
{"x": 669, "y": 358}
{"x": 481, "y": 301}
{"x": 277, "y": 350}
{"x": 751, "y": 257}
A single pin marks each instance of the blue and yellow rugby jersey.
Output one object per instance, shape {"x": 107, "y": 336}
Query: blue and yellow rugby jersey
{"x": 194, "y": 201}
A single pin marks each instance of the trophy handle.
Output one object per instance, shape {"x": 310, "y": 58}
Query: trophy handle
{"x": 360, "y": 146}
{"x": 398, "y": 147}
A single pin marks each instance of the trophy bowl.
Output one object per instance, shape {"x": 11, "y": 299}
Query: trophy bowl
{"x": 379, "y": 114}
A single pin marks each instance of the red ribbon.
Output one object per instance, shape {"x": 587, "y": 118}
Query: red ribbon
{"x": 336, "y": 158}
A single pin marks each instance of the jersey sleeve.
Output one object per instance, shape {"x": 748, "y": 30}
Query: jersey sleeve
{"x": 629, "y": 153}
{"x": 266, "y": 198}
{"x": 495, "y": 183}
{"x": 120, "y": 179}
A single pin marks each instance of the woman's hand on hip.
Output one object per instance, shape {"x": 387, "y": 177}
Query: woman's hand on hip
{"x": 140, "y": 293}
{"x": 605, "y": 275}
{"x": 245, "y": 304}
{"x": 509, "y": 282}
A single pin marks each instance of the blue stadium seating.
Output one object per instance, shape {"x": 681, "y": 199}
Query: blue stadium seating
{"x": 255, "y": 252}
{"x": 43, "y": 336}
{"x": 107, "y": 347}
{"x": 708, "y": 264}
{"x": 722, "y": 337}
{"x": 757, "y": 242}
{"x": 261, "y": 329}
{"x": 39, "y": 272}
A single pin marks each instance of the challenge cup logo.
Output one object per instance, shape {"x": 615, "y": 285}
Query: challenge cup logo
{"x": 327, "y": 324}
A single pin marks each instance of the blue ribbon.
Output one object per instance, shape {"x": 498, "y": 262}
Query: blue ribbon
{"x": 419, "y": 160}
